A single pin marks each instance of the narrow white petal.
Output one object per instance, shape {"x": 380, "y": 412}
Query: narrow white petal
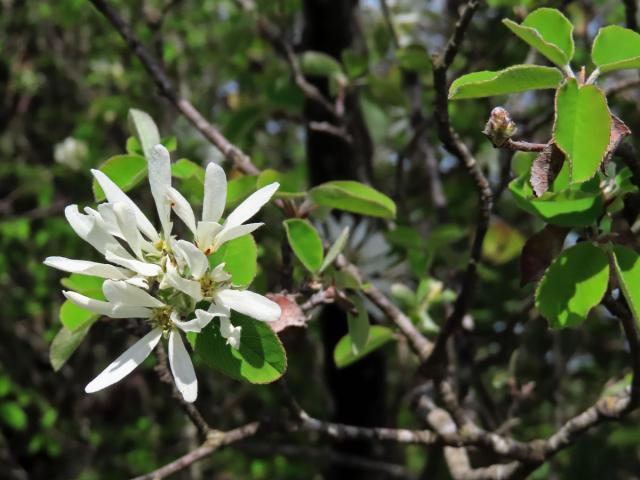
{"x": 219, "y": 310}
{"x": 138, "y": 281}
{"x": 160, "y": 183}
{"x": 106, "y": 308}
{"x": 126, "y": 362}
{"x": 86, "y": 267}
{"x": 205, "y": 235}
{"x": 215, "y": 193}
{"x": 249, "y": 303}
{"x": 182, "y": 368}
{"x": 228, "y": 234}
{"x": 251, "y": 205}
{"x": 173, "y": 279}
{"x": 143, "y": 268}
{"x": 87, "y": 228}
{"x": 107, "y": 223}
{"x": 123, "y": 293}
{"x": 231, "y": 333}
{"x": 182, "y": 208}
{"x": 196, "y": 260}
{"x": 197, "y": 324}
{"x": 126, "y": 219}
{"x": 219, "y": 275}
{"x": 114, "y": 195}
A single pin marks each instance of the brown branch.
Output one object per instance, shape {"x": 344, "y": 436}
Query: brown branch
{"x": 524, "y": 146}
{"x": 215, "y": 441}
{"x": 456, "y": 147}
{"x": 167, "y": 89}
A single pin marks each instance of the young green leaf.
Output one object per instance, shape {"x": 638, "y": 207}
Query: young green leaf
{"x": 260, "y": 358}
{"x": 240, "y": 257}
{"x": 305, "y": 243}
{"x": 353, "y": 197}
{"x": 616, "y": 48}
{"x": 343, "y": 354}
{"x": 185, "y": 169}
{"x": 144, "y": 128}
{"x": 627, "y": 265}
{"x": 321, "y": 65}
{"x": 548, "y": 31}
{"x": 518, "y": 78}
{"x": 74, "y": 317}
{"x": 574, "y": 283}
{"x": 582, "y": 127}
{"x": 577, "y": 206}
{"x": 126, "y": 171}
{"x": 358, "y": 326}
{"x": 335, "y": 249}
{"x": 65, "y": 343}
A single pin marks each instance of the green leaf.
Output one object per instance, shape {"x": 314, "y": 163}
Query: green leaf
{"x": 318, "y": 64}
{"x": 260, "y": 358}
{"x": 358, "y": 326}
{"x": 186, "y": 169}
{"x": 287, "y": 184}
{"x": 335, "y": 249}
{"x": 518, "y": 78}
{"x": 414, "y": 58}
{"x": 343, "y": 353}
{"x": 65, "y": 343}
{"x": 170, "y": 143}
{"x": 582, "y": 127}
{"x": 577, "y": 206}
{"x": 144, "y": 128}
{"x": 627, "y": 265}
{"x": 241, "y": 259}
{"x": 548, "y": 31}
{"x": 74, "y": 317}
{"x": 353, "y": 197}
{"x": 616, "y": 48}
{"x": 305, "y": 243}
{"x": 13, "y": 415}
{"x": 574, "y": 283}
{"x": 126, "y": 171}
{"x": 84, "y": 284}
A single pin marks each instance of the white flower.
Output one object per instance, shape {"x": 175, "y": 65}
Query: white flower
{"x": 177, "y": 271}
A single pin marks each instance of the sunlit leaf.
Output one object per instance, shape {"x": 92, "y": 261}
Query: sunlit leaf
{"x": 126, "y": 171}
{"x": 627, "y": 265}
{"x": 343, "y": 354}
{"x": 616, "y": 48}
{"x": 353, "y": 197}
{"x": 305, "y": 243}
{"x": 240, "y": 257}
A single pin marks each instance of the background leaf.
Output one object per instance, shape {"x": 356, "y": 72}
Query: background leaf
{"x": 65, "y": 343}
{"x": 359, "y": 326}
{"x": 353, "y": 197}
{"x": 627, "y": 265}
{"x": 574, "y": 283}
{"x": 343, "y": 354}
{"x": 241, "y": 259}
{"x": 126, "y": 171}
{"x": 305, "y": 243}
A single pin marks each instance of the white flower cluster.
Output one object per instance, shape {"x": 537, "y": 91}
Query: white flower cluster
{"x": 157, "y": 277}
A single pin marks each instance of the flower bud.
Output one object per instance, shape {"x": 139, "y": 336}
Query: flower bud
{"x": 500, "y": 127}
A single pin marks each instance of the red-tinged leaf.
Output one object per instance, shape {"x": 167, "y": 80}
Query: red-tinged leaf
{"x": 545, "y": 168}
{"x": 291, "y": 316}
{"x": 539, "y": 251}
{"x": 619, "y": 131}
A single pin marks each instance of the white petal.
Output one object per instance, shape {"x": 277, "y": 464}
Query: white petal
{"x": 249, "y": 303}
{"x": 123, "y": 293}
{"x": 126, "y": 362}
{"x": 173, "y": 279}
{"x": 114, "y": 195}
{"x": 126, "y": 219}
{"x": 86, "y": 228}
{"x": 86, "y": 267}
{"x": 195, "y": 325}
{"x": 182, "y": 208}
{"x": 231, "y": 333}
{"x": 215, "y": 193}
{"x": 228, "y": 234}
{"x": 138, "y": 281}
{"x": 250, "y": 206}
{"x": 108, "y": 223}
{"x": 182, "y": 368}
{"x": 143, "y": 268}
{"x": 219, "y": 275}
{"x": 160, "y": 183}
{"x": 106, "y": 308}
{"x": 196, "y": 260}
{"x": 205, "y": 235}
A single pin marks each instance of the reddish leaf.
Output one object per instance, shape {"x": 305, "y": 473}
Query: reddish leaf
{"x": 545, "y": 168}
{"x": 619, "y": 131}
{"x": 291, "y": 316}
{"x": 539, "y": 251}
